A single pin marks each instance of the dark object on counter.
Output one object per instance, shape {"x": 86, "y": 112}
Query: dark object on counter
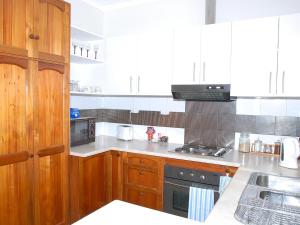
{"x": 74, "y": 113}
{"x": 164, "y": 139}
{"x": 83, "y": 130}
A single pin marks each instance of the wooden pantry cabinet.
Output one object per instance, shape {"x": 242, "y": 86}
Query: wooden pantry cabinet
{"x": 34, "y": 113}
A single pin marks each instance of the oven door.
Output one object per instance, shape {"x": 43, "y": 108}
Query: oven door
{"x": 176, "y": 196}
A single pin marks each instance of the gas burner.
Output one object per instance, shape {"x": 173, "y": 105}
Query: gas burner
{"x": 201, "y": 150}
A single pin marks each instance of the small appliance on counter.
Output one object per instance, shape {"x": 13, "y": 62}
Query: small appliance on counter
{"x": 289, "y": 153}
{"x": 83, "y": 130}
{"x": 125, "y": 132}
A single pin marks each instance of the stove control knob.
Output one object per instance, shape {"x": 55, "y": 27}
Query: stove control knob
{"x": 192, "y": 174}
{"x": 202, "y": 177}
{"x": 180, "y": 174}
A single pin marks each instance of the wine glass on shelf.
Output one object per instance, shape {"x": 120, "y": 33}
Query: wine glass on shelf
{"x": 96, "y": 51}
{"x": 74, "y": 49}
{"x": 88, "y": 49}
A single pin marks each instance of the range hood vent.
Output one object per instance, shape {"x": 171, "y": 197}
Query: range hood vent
{"x": 216, "y": 93}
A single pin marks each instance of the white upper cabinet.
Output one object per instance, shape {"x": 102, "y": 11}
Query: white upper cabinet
{"x": 154, "y": 63}
{"x": 186, "y": 61}
{"x": 289, "y": 55}
{"x": 215, "y": 54}
{"x": 254, "y": 57}
{"x": 120, "y": 57}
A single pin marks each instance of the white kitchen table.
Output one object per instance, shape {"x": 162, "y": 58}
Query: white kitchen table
{"x": 118, "y": 212}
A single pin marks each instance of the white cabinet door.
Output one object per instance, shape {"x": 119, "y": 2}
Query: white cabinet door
{"x": 289, "y": 55}
{"x": 186, "y": 53}
{"x": 154, "y": 63}
{"x": 215, "y": 54}
{"x": 120, "y": 65}
{"x": 254, "y": 57}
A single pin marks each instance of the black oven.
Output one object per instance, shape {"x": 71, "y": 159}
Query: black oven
{"x": 177, "y": 183}
{"x": 82, "y": 130}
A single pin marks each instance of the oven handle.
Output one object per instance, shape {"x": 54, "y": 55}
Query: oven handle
{"x": 184, "y": 186}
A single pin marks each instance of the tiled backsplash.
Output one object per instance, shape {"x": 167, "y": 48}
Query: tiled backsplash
{"x": 215, "y": 123}
{"x": 150, "y": 118}
{"x": 207, "y": 123}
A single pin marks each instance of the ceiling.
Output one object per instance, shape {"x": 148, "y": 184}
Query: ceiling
{"x": 114, "y": 4}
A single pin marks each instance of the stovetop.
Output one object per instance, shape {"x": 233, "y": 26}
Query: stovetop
{"x": 202, "y": 150}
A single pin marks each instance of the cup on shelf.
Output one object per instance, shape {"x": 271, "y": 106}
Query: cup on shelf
{"x": 96, "y": 48}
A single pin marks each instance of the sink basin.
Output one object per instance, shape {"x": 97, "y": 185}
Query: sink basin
{"x": 270, "y": 200}
{"x": 278, "y": 183}
{"x": 280, "y": 198}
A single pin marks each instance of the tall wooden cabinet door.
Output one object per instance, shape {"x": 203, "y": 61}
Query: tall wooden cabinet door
{"x": 16, "y": 147}
{"x": 51, "y": 124}
{"x": 16, "y": 24}
{"x": 52, "y": 23}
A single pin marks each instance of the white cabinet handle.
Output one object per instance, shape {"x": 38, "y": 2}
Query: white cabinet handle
{"x": 194, "y": 72}
{"x": 139, "y": 79}
{"x": 283, "y": 80}
{"x": 130, "y": 84}
{"x": 203, "y": 78}
{"x": 270, "y": 83}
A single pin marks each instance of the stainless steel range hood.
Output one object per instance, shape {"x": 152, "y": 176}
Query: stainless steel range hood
{"x": 207, "y": 92}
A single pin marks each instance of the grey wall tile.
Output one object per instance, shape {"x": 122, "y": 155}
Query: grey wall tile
{"x": 191, "y": 136}
{"x": 227, "y": 107}
{"x": 202, "y": 121}
{"x": 174, "y": 119}
{"x": 265, "y": 125}
{"x": 225, "y": 138}
{"x": 286, "y": 126}
{"x": 244, "y": 123}
{"x": 226, "y": 121}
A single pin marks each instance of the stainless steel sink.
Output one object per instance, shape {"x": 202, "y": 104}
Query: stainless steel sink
{"x": 278, "y": 183}
{"x": 270, "y": 200}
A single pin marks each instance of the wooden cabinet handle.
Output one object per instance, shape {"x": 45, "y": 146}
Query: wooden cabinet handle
{"x": 34, "y": 37}
{"x": 227, "y": 172}
{"x": 51, "y": 150}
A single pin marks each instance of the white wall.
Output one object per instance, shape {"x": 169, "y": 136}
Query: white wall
{"x": 230, "y": 10}
{"x": 155, "y": 15}
{"x": 86, "y": 17}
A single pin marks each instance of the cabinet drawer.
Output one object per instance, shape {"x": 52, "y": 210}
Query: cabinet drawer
{"x": 142, "y": 198}
{"x": 144, "y": 178}
{"x": 142, "y": 161}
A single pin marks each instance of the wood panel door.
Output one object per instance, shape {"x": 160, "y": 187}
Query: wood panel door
{"x": 113, "y": 176}
{"x": 52, "y": 24}
{"x": 91, "y": 183}
{"x": 16, "y": 147}
{"x": 51, "y": 124}
{"x": 16, "y": 24}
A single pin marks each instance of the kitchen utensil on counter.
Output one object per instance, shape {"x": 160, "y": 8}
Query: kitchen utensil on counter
{"x": 289, "y": 153}
{"x": 125, "y": 132}
{"x": 244, "y": 143}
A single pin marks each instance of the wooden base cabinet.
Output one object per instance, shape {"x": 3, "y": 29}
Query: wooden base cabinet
{"x": 34, "y": 114}
{"x": 94, "y": 182}
{"x": 143, "y": 180}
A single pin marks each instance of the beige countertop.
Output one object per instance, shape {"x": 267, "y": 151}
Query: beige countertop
{"x": 119, "y": 212}
{"x": 223, "y": 212}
